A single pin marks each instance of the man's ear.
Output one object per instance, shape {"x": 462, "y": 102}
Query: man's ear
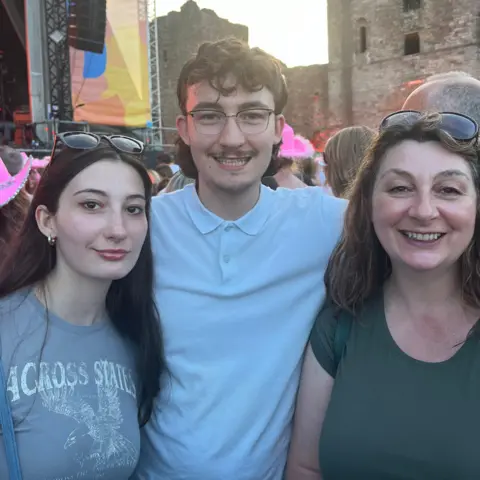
{"x": 182, "y": 128}
{"x": 46, "y": 221}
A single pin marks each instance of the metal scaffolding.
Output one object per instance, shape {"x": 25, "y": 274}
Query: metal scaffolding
{"x": 153, "y": 59}
{"x": 58, "y": 54}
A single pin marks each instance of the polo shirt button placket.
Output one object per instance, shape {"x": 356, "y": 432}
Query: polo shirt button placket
{"x": 226, "y": 259}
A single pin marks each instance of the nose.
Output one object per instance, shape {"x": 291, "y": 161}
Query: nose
{"x": 231, "y": 135}
{"x": 116, "y": 230}
{"x": 423, "y": 207}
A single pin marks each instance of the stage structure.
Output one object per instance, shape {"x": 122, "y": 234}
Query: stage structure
{"x": 58, "y": 60}
{"x": 113, "y": 87}
{"x": 68, "y": 81}
{"x": 154, "y": 64}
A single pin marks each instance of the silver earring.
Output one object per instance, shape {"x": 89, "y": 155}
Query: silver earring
{"x": 51, "y": 240}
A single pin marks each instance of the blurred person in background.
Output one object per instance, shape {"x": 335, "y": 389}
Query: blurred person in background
{"x": 155, "y": 179}
{"x": 309, "y": 171}
{"x": 164, "y": 158}
{"x": 165, "y": 173}
{"x": 14, "y": 203}
{"x": 13, "y": 159}
{"x": 293, "y": 149}
{"x": 453, "y": 91}
{"x": 177, "y": 182}
{"x": 343, "y": 155}
{"x": 38, "y": 167}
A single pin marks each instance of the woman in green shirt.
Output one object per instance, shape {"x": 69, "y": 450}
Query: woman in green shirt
{"x": 390, "y": 386}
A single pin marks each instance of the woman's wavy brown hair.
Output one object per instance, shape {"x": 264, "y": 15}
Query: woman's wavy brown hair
{"x": 359, "y": 265}
{"x": 253, "y": 70}
{"x": 12, "y": 216}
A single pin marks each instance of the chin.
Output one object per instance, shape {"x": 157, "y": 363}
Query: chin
{"x": 238, "y": 185}
{"x": 112, "y": 274}
{"x": 425, "y": 265}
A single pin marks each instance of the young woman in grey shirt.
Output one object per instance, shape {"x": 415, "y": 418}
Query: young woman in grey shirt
{"x": 79, "y": 332}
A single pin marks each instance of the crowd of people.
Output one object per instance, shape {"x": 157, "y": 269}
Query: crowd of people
{"x": 244, "y": 311}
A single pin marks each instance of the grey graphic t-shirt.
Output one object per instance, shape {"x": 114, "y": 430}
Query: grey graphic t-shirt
{"x": 73, "y": 395}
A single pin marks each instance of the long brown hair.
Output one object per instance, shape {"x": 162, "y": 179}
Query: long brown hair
{"x": 359, "y": 265}
{"x": 130, "y": 300}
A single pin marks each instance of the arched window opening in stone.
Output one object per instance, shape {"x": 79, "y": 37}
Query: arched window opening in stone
{"x": 363, "y": 39}
{"x": 362, "y": 30}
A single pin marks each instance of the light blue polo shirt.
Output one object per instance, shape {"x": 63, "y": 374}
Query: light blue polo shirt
{"x": 237, "y": 301}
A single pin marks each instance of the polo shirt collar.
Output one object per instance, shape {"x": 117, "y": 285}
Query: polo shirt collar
{"x": 206, "y": 221}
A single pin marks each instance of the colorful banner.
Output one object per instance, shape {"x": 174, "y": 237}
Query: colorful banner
{"x": 112, "y": 88}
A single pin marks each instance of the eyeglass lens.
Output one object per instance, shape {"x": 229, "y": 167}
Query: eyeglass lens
{"x": 81, "y": 141}
{"x": 400, "y": 118}
{"x": 248, "y": 121}
{"x": 458, "y": 127}
{"x": 127, "y": 145}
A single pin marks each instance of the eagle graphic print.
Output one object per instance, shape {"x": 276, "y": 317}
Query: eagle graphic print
{"x": 91, "y": 410}
{"x": 109, "y": 448}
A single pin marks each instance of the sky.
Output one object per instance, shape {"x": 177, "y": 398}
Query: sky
{"x": 296, "y": 37}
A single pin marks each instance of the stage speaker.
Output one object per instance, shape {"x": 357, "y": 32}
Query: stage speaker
{"x": 87, "y": 23}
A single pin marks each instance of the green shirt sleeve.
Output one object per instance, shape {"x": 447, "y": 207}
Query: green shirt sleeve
{"x": 322, "y": 338}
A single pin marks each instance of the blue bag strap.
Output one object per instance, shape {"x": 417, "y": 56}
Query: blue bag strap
{"x": 6, "y": 420}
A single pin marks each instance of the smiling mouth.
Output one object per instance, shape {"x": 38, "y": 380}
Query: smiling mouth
{"x": 422, "y": 237}
{"x": 232, "y": 161}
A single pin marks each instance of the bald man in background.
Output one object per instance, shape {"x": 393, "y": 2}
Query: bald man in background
{"x": 456, "y": 92}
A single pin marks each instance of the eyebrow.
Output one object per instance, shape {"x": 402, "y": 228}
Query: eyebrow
{"x": 242, "y": 106}
{"x": 105, "y": 194}
{"x": 444, "y": 173}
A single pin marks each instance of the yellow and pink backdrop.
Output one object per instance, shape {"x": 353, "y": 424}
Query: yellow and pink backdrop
{"x": 112, "y": 88}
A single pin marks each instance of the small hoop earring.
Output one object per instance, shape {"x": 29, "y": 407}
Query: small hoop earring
{"x": 51, "y": 240}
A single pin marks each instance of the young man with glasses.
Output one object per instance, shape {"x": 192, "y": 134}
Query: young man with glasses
{"x": 239, "y": 272}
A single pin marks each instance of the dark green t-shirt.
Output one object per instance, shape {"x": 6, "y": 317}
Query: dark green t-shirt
{"x": 391, "y": 416}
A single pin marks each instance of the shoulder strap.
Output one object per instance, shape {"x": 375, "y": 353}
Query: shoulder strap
{"x": 342, "y": 332}
{"x": 8, "y": 431}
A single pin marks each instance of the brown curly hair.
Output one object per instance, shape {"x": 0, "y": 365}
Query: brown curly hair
{"x": 253, "y": 70}
{"x": 359, "y": 265}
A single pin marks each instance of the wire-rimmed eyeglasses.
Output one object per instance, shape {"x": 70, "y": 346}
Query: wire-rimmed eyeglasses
{"x": 250, "y": 122}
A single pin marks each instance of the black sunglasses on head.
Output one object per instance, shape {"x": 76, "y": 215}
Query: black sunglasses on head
{"x": 460, "y": 127}
{"x": 89, "y": 141}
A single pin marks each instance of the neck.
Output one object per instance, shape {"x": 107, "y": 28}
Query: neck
{"x": 79, "y": 301}
{"x": 426, "y": 290}
{"x": 286, "y": 178}
{"x": 228, "y": 205}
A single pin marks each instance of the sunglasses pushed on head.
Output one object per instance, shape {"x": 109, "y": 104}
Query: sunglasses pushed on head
{"x": 460, "y": 127}
{"x": 90, "y": 141}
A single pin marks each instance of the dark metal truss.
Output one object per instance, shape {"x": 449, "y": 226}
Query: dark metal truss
{"x": 56, "y": 15}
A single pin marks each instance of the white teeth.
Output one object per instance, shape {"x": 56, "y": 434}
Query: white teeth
{"x": 237, "y": 162}
{"x": 423, "y": 237}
